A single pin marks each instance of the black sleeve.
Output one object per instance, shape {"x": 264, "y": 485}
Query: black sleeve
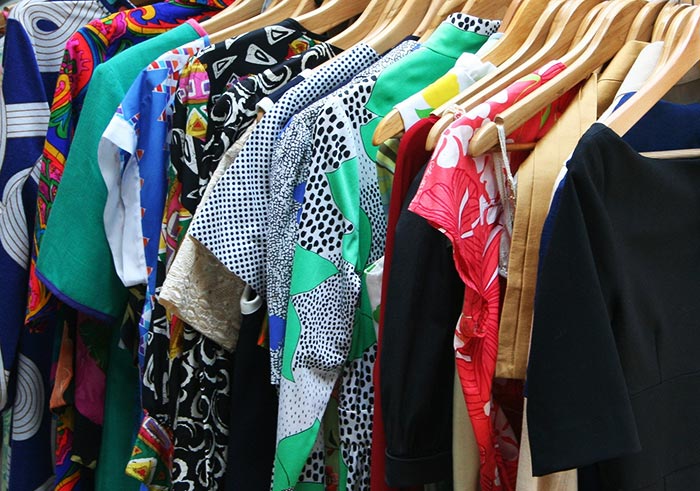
{"x": 579, "y": 410}
{"x": 417, "y": 368}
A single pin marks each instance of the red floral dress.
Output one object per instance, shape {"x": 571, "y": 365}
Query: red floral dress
{"x": 459, "y": 196}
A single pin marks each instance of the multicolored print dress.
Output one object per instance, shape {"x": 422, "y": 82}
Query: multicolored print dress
{"x": 92, "y": 45}
{"x": 459, "y": 196}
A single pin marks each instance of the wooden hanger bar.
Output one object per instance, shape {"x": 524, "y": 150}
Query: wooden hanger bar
{"x": 605, "y": 38}
{"x": 331, "y": 14}
{"x": 510, "y": 14}
{"x": 233, "y": 14}
{"x": 486, "y": 9}
{"x": 664, "y": 19}
{"x": 373, "y": 17}
{"x": 283, "y": 10}
{"x": 588, "y": 22}
{"x": 681, "y": 53}
{"x": 686, "y": 153}
{"x": 557, "y": 45}
{"x": 437, "y": 12}
{"x": 643, "y": 25}
{"x": 518, "y": 31}
{"x": 402, "y": 24}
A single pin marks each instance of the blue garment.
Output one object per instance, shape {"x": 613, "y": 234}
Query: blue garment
{"x": 36, "y": 34}
{"x": 133, "y": 159}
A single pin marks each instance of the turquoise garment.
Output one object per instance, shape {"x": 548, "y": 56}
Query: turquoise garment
{"x": 75, "y": 261}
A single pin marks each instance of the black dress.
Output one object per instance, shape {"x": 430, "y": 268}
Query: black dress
{"x": 614, "y": 374}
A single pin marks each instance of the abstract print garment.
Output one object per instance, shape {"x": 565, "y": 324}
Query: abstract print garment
{"x": 330, "y": 238}
{"x": 206, "y": 78}
{"x": 201, "y": 380}
{"x": 360, "y": 103}
{"x": 37, "y": 32}
{"x": 201, "y": 427}
{"x": 243, "y": 193}
{"x": 92, "y": 45}
{"x": 459, "y": 196}
{"x": 133, "y": 161}
{"x": 235, "y": 110}
{"x": 82, "y": 193}
{"x": 197, "y": 290}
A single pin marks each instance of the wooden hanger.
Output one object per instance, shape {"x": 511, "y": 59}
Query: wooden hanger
{"x": 433, "y": 17}
{"x": 510, "y": 14}
{"x": 331, "y": 14}
{"x": 279, "y": 12}
{"x": 515, "y": 40}
{"x": 557, "y": 45}
{"x": 392, "y": 124}
{"x": 391, "y": 9}
{"x": 587, "y": 22}
{"x": 679, "y": 26}
{"x": 605, "y": 38}
{"x": 402, "y": 24}
{"x": 681, "y": 53}
{"x": 664, "y": 19}
{"x": 518, "y": 32}
{"x": 643, "y": 24}
{"x": 374, "y": 16}
{"x": 486, "y": 9}
{"x": 507, "y": 19}
{"x": 233, "y": 14}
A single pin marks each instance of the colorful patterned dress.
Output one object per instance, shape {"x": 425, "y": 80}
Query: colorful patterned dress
{"x": 93, "y": 44}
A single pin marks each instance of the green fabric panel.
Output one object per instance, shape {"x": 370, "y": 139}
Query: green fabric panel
{"x": 75, "y": 257}
{"x": 415, "y": 72}
{"x": 345, "y": 188}
{"x": 310, "y": 486}
{"x": 121, "y": 421}
{"x": 343, "y": 474}
{"x": 363, "y": 333}
{"x": 291, "y": 340}
{"x": 291, "y": 455}
{"x": 309, "y": 271}
{"x": 365, "y": 242}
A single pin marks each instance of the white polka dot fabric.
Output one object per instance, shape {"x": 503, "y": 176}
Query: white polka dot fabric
{"x": 341, "y": 226}
{"x": 232, "y": 224}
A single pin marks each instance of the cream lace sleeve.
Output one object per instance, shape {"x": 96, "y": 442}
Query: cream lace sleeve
{"x": 198, "y": 288}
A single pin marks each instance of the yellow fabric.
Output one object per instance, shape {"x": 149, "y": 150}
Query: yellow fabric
{"x": 535, "y": 180}
{"x": 465, "y": 453}
{"x": 467, "y": 70}
{"x": 559, "y": 481}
